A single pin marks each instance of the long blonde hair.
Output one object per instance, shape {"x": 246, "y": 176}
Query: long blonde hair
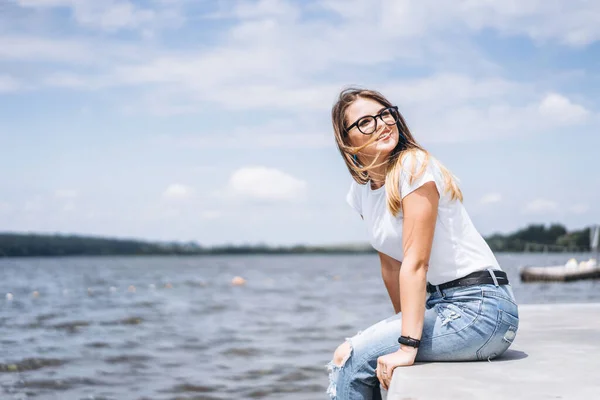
{"x": 407, "y": 146}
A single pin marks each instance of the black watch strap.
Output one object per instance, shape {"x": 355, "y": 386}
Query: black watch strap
{"x": 408, "y": 341}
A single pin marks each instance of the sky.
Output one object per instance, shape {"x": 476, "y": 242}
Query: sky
{"x": 209, "y": 121}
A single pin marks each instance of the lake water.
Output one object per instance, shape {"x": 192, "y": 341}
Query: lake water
{"x": 175, "y": 327}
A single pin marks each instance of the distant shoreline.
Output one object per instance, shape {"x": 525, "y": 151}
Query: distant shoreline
{"x": 534, "y": 238}
{"x": 201, "y": 254}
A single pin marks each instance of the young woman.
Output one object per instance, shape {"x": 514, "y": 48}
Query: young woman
{"x": 452, "y": 300}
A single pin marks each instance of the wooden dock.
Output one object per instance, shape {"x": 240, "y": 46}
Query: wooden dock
{"x": 555, "y": 355}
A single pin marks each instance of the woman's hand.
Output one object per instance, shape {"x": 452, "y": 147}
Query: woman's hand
{"x": 404, "y": 357}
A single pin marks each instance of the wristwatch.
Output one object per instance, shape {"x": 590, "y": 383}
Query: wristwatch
{"x": 408, "y": 341}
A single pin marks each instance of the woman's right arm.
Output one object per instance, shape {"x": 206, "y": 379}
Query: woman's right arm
{"x": 390, "y": 271}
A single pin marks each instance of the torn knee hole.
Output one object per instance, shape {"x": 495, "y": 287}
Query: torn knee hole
{"x": 342, "y": 353}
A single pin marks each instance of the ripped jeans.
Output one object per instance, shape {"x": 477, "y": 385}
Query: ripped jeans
{"x": 472, "y": 323}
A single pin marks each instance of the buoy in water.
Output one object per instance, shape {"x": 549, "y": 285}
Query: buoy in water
{"x": 238, "y": 281}
{"x": 131, "y": 289}
{"x": 9, "y": 296}
{"x": 36, "y": 294}
{"x": 168, "y": 286}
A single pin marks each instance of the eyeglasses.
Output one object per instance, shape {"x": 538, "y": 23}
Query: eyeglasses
{"x": 368, "y": 124}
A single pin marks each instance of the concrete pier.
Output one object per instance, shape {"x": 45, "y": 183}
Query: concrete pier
{"x": 556, "y": 355}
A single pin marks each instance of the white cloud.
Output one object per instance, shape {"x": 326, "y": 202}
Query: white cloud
{"x": 477, "y": 118}
{"x": 45, "y": 3}
{"x": 571, "y": 22}
{"x": 540, "y": 206}
{"x": 290, "y": 134}
{"x": 270, "y": 60}
{"x": 479, "y": 109}
{"x": 491, "y": 198}
{"x": 177, "y": 191}
{"x": 579, "y": 208}
{"x": 262, "y": 183}
{"x": 463, "y": 88}
{"x": 261, "y": 9}
{"x": 248, "y": 140}
{"x": 562, "y": 109}
{"x": 75, "y": 62}
{"x": 115, "y": 16}
{"x": 66, "y": 80}
{"x": 110, "y": 15}
{"x": 292, "y": 140}
{"x": 36, "y": 49}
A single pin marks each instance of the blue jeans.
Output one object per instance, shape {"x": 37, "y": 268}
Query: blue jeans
{"x": 471, "y": 323}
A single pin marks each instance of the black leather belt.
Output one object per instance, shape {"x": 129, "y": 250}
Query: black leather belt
{"x": 475, "y": 278}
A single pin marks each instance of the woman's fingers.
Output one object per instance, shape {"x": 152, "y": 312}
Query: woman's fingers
{"x": 381, "y": 368}
{"x": 384, "y": 374}
{"x": 387, "y": 378}
{"x": 386, "y": 381}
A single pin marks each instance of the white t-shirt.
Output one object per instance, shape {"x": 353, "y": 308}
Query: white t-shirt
{"x": 457, "y": 249}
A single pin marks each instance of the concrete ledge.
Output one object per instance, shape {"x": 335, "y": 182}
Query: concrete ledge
{"x": 556, "y": 355}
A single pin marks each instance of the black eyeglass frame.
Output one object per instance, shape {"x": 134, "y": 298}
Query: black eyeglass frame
{"x": 394, "y": 112}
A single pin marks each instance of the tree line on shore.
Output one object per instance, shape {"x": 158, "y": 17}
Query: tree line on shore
{"x": 531, "y": 238}
{"x": 538, "y": 237}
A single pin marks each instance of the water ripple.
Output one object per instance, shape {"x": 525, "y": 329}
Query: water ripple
{"x": 31, "y": 364}
{"x": 71, "y": 326}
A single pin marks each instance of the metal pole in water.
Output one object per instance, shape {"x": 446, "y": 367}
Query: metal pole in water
{"x": 595, "y": 240}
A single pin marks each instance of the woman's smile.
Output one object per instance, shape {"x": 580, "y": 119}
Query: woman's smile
{"x": 385, "y": 136}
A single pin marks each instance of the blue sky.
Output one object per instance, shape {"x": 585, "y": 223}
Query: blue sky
{"x": 209, "y": 120}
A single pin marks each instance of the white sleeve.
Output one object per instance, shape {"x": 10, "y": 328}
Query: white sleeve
{"x": 411, "y": 166}
{"x": 354, "y": 198}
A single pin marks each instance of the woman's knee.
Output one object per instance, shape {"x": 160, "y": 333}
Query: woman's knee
{"x": 342, "y": 353}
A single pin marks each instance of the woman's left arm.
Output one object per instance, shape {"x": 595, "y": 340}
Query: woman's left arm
{"x": 420, "y": 213}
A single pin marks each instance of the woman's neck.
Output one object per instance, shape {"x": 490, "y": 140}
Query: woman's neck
{"x": 377, "y": 173}
{"x": 377, "y": 179}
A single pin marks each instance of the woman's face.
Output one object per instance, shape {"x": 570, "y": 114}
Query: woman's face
{"x": 387, "y": 135}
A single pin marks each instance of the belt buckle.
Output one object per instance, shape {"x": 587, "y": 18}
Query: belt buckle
{"x": 434, "y": 288}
